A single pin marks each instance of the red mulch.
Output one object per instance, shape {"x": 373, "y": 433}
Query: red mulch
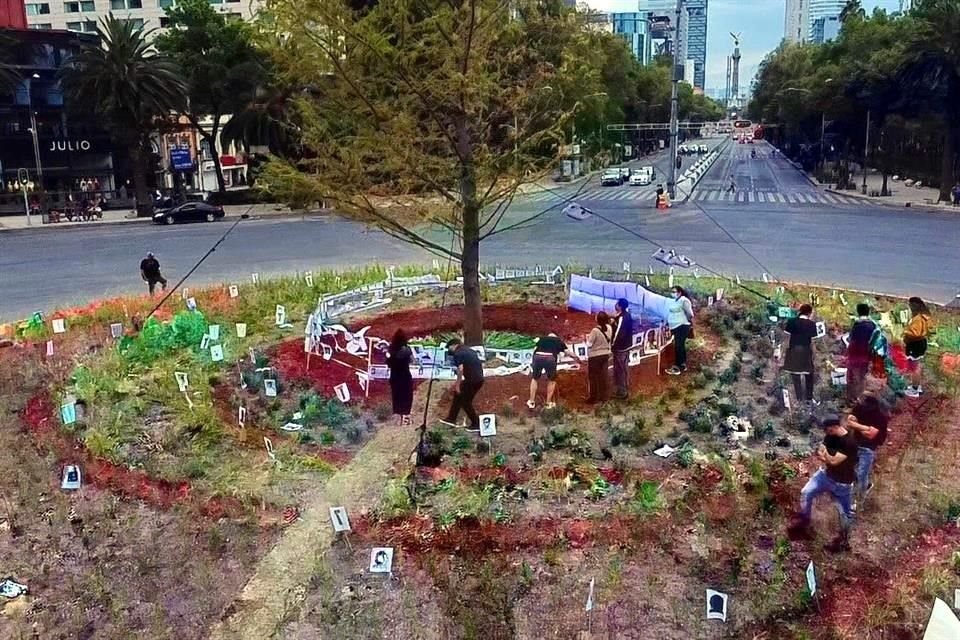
{"x": 470, "y": 537}
{"x": 40, "y": 417}
{"x": 528, "y": 319}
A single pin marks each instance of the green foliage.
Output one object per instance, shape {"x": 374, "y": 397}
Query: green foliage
{"x": 599, "y": 488}
{"x": 685, "y": 455}
{"x": 633, "y": 434}
{"x": 395, "y": 500}
{"x": 553, "y": 416}
{"x": 647, "y": 499}
{"x": 157, "y": 339}
{"x": 508, "y": 340}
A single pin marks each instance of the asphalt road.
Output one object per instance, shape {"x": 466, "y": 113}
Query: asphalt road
{"x": 775, "y": 222}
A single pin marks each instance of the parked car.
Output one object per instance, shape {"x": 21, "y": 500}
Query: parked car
{"x": 640, "y": 178}
{"x": 651, "y": 171}
{"x": 703, "y": 148}
{"x": 189, "y": 212}
{"x": 611, "y": 178}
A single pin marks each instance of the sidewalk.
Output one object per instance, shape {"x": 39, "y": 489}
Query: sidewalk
{"x": 122, "y": 217}
{"x": 901, "y": 195}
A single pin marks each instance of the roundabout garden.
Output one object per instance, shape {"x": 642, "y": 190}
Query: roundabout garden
{"x": 212, "y": 440}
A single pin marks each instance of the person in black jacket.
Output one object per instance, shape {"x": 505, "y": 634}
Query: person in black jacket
{"x": 399, "y": 358}
{"x": 620, "y": 346}
{"x": 469, "y": 370}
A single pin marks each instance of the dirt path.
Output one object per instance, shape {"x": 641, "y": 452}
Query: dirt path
{"x": 273, "y": 596}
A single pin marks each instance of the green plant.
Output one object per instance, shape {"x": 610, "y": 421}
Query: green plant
{"x": 685, "y": 455}
{"x": 599, "y": 488}
{"x": 553, "y": 416}
{"x": 647, "y": 499}
{"x": 382, "y": 411}
{"x": 395, "y": 500}
{"x": 499, "y": 460}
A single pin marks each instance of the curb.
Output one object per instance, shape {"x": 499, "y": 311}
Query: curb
{"x": 878, "y": 201}
{"x": 66, "y": 227}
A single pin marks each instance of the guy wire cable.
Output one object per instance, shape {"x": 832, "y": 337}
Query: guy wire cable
{"x": 243, "y": 216}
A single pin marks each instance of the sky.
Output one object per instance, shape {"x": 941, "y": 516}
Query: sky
{"x": 759, "y": 21}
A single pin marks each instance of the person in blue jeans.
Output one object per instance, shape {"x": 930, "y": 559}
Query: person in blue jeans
{"x": 680, "y": 321}
{"x": 838, "y": 452}
{"x": 869, "y": 421}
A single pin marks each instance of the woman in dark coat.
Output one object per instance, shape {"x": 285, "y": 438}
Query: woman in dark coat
{"x": 399, "y": 359}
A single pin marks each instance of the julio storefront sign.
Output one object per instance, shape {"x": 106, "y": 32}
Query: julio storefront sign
{"x": 69, "y": 145}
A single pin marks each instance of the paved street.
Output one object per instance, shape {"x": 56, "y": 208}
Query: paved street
{"x": 790, "y": 226}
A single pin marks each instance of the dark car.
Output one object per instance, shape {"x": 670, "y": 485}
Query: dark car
{"x": 189, "y": 212}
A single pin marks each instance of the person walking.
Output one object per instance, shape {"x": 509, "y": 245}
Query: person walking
{"x": 546, "y": 353}
{"x": 863, "y": 334}
{"x": 838, "y": 452}
{"x": 150, "y": 272}
{"x": 733, "y": 186}
{"x": 399, "y": 359}
{"x": 915, "y": 344}
{"x": 620, "y": 346}
{"x": 598, "y": 359}
{"x": 869, "y": 420}
{"x": 469, "y": 370}
{"x": 680, "y": 321}
{"x": 955, "y": 192}
{"x": 799, "y": 360}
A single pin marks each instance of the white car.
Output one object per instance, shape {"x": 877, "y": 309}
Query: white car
{"x": 651, "y": 171}
{"x": 640, "y": 178}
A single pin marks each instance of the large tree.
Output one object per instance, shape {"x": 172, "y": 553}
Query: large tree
{"x": 222, "y": 67}
{"x": 931, "y": 76}
{"x": 124, "y": 81}
{"x": 443, "y": 108}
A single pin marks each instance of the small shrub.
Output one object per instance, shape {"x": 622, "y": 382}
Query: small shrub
{"x": 685, "y": 455}
{"x": 327, "y": 438}
{"x": 554, "y": 416}
{"x": 382, "y": 411}
{"x": 507, "y": 410}
{"x": 647, "y": 499}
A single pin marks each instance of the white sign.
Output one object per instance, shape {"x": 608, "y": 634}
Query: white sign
{"x": 904, "y": 318}
{"x": 182, "y": 382}
{"x": 811, "y": 579}
{"x": 716, "y": 605}
{"x": 68, "y": 413}
{"x": 589, "y": 606}
{"x": 381, "y": 560}
{"x": 581, "y": 350}
{"x": 270, "y": 387}
{"x": 242, "y": 416}
{"x": 308, "y": 278}
{"x": 204, "y": 342}
{"x": 216, "y": 353}
{"x": 338, "y": 517}
{"x": 646, "y": 281}
{"x": 116, "y": 330}
{"x": 343, "y": 392}
{"x": 488, "y": 425}
{"x": 326, "y": 350}
{"x": 49, "y": 347}
{"x": 192, "y": 304}
{"x": 786, "y": 400}
{"x": 281, "y": 315}
{"x": 363, "y": 379}
{"x": 738, "y": 278}
{"x": 234, "y": 291}
{"x": 184, "y": 293}
{"x": 821, "y": 329}
{"x": 214, "y": 332}
{"x": 255, "y": 278}
{"x": 766, "y": 278}
{"x": 268, "y": 444}
{"x": 71, "y": 480}
{"x": 670, "y": 278}
{"x": 626, "y": 267}
{"x": 719, "y": 295}
{"x": 59, "y": 326}
{"x": 241, "y": 329}
{"x": 710, "y": 301}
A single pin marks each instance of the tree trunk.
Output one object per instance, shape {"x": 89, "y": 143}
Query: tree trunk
{"x": 470, "y": 254}
{"x": 138, "y": 166}
{"x": 946, "y": 164}
{"x": 217, "y": 167}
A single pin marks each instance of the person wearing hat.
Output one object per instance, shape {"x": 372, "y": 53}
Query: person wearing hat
{"x": 620, "y": 346}
{"x": 837, "y": 476}
{"x": 150, "y": 272}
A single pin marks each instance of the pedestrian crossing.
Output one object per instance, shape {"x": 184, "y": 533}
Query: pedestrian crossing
{"x": 772, "y": 197}
{"x": 648, "y": 195}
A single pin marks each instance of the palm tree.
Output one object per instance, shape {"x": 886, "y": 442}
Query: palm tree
{"x": 129, "y": 86}
{"x": 931, "y": 76}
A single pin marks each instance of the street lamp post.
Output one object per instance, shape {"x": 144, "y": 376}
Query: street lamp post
{"x": 33, "y": 130}
{"x": 674, "y": 107}
{"x": 866, "y": 150}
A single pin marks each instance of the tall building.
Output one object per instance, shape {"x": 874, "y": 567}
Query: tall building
{"x": 825, "y": 29}
{"x": 801, "y": 17}
{"x": 83, "y": 15}
{"x": 635, "y": 31}
{"x": 691, "y": 36}
{"x": 795, "y": 20}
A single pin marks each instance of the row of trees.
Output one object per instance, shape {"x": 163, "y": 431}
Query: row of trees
{"x": 898, "y": 72}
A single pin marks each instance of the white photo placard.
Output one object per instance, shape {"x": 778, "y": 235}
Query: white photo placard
{"x": 270, "y": 387}
{"x": 241, "y": 329}
{"x": 49, "y": 347}
{"x": 216, "y": 353}
{"x": 381, "y": 560}
{"x": 234, "y": 291}
{"x": 280, "y": 316}
{"x": 339, "y": 519}
{"x": 343, "y": 392}
{"x": 214, "y": 332}
{"x": 59, "y": 325}
{"x": 116, "y": 330}
{"x": 716, "y": 605}
{"x": 242, "y": 416}
{"x": 182, "y": 381}
{"x": 488, "y": 425}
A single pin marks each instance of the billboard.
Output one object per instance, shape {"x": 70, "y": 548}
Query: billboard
{"x": 180, "y": 159}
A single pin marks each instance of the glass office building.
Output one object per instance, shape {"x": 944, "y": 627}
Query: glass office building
{"x": 633, "y": 28}
{"x": 692, "y": 39}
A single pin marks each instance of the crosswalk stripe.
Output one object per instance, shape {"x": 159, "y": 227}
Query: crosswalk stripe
{"x": 829, "y": 197}
{"x": 761, "y": 197}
